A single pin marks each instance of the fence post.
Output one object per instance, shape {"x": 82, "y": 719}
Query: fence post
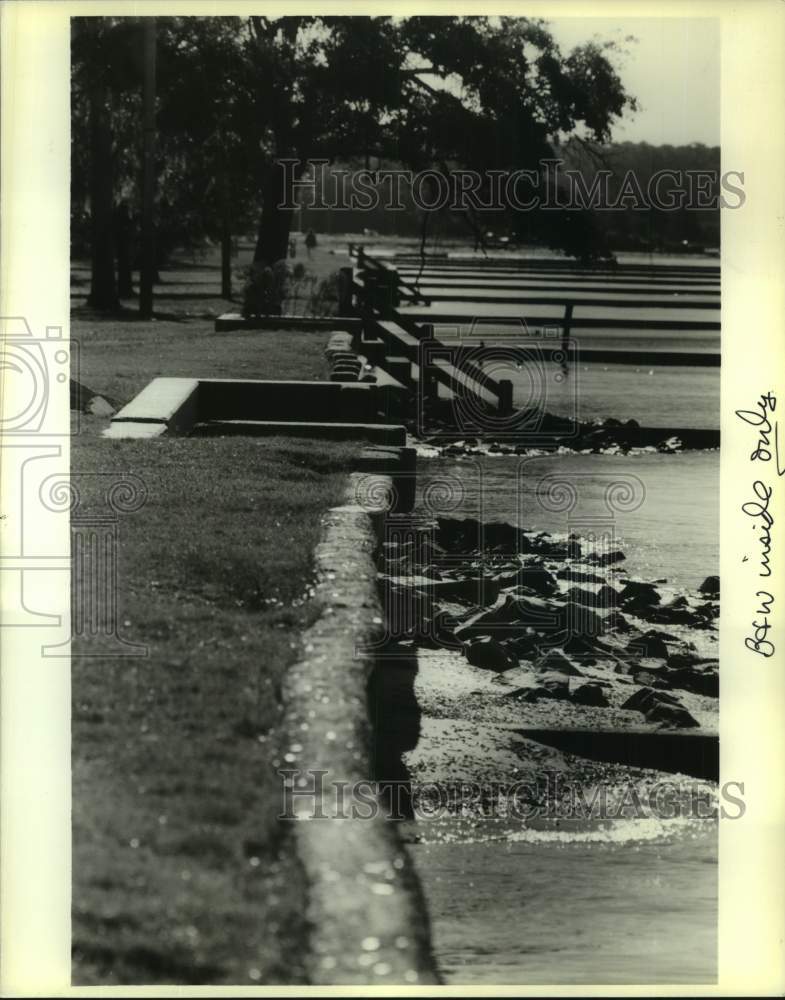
{"x": 567, "y": 321}
{"x": 345, "y": 283}
{"x": 505, "y": 397}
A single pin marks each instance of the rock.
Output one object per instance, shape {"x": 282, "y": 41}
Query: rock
{"x": 669, "y": 614}
{"x": 506, "y": 610}
{"x": 579, "y": 620}
{"x": 705, "y": 682}
{"x": 469, "y": 590}
{"x": 654, "y": 677}
{"x": 523, "y": 647}
{"x": 578, "y": 576}
{"x": 588, "y": 598}
{"x": 670, "y": 446}
{"x": 556, "y": 684}
{"x": 456, "y": 535}
{"x": 590, "y": 693}
{"x": 710, "y": 586}
{"x": 498, "y": 536}
{"x": 686, "y": 658}
{"x": 659, "y": 706}
{"x": 636, "y": 594}
{"x": 100, "y": 407}
{"x": 618, "y": 623}
{"x": 649, "y": 645}
{"x": 538, "y": 579}
{"x": 671, "y": 717}
{"x": 556, "y": 662}
{"x": 604, "y": 558}
{"x": 552, "y": 686}
{"x": 441, "y": 630}
{"x": 579, "y": 649}
{"x": 645, "y": 697}
{"x": 488, "y": 655}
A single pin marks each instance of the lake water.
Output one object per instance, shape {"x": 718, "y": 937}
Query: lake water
{"x": 640, "y": 907}
{"x": 637, "y": 902}
{"x": 672, "y": 533}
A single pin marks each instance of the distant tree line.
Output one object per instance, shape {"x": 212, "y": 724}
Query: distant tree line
{"x": 325, "y": 201}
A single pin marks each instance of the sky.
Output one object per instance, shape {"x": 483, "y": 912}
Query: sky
{"x": 673, "y": 69}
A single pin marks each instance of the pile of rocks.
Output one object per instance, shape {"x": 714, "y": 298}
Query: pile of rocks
{"x": 508, "y": 597}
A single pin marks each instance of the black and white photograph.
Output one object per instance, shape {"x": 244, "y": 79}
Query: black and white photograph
{"x": 392, "y": 490}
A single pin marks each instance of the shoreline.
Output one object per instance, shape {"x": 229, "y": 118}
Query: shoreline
{"x": 616, "y": 661}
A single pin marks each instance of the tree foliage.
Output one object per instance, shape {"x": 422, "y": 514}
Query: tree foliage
{"x": 238, "y": 95}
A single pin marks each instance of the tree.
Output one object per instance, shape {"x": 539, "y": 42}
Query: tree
{"x": 476, "y": 92}
{"x": 207, "y": 150}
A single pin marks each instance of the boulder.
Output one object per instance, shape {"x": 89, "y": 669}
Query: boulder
{"x": 670, "y": 614}
{"x": 645, "y": 697}
{"x": 577, "y": 619}
{"x": 671, "y": 716}
{"x": 705, "y": 682}
{"x": 591, "y": 694}
{"x": 556, "y": 662}
{"x": 587, "y": 598}
{"x": 552, "y": 686}
{"x": 99, "y": 407}
{"x": 670, "y": 445}
{"x": 710, "y": 586}
{"x": 649, "y": 645}
{"x": 654, "y": 677}
{"x": 604, "y": 558}
{"x": 687, "y": 658}
{"x": 607, "y": 596}
{"x": 577, "y": 576}
{"x": 538, "y": 579}
{"x": 488, "y": 655}
{"x": 580, "y": 649}
{"x": 525, "y": 646}
{"x": 456, "y": 535}
{"x": 636, "y": 594}
{"x": 616, "y": 622}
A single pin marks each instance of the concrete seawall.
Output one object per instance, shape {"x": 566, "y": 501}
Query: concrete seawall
{"x": 367, "y": 916}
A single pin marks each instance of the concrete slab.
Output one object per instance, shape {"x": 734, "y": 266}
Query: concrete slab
{"x": 388, "y": 434}
{"x": 132, "y": 429}
{"x": 171, "y": 401}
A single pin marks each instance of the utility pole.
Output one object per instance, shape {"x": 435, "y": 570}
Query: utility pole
{"x": 147, "y": 272}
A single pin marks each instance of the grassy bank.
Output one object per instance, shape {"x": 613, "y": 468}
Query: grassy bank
{"x": 181, "y": 873}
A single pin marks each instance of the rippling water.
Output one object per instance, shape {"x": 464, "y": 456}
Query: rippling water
{"x": 634, "y": 902}
{"x": 672, "y": 534}
{"x": 569, "y": 910}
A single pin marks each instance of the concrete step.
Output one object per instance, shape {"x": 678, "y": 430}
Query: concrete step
{"x": 385, "y": 434}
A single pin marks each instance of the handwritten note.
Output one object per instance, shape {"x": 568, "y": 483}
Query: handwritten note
{"x": 765, "y": 452}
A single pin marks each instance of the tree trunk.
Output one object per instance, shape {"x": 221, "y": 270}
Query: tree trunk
{"x": 148, "y": 270}
{"x": 226, "y": 261}
{"x": 226, "y": 240}
{"x": 103, "y": 287}
{"x": 272, "y": 242}
{"x": 123, "y": 241}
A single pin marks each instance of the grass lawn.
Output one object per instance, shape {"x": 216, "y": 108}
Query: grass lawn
{"x": 181, "y": 873}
